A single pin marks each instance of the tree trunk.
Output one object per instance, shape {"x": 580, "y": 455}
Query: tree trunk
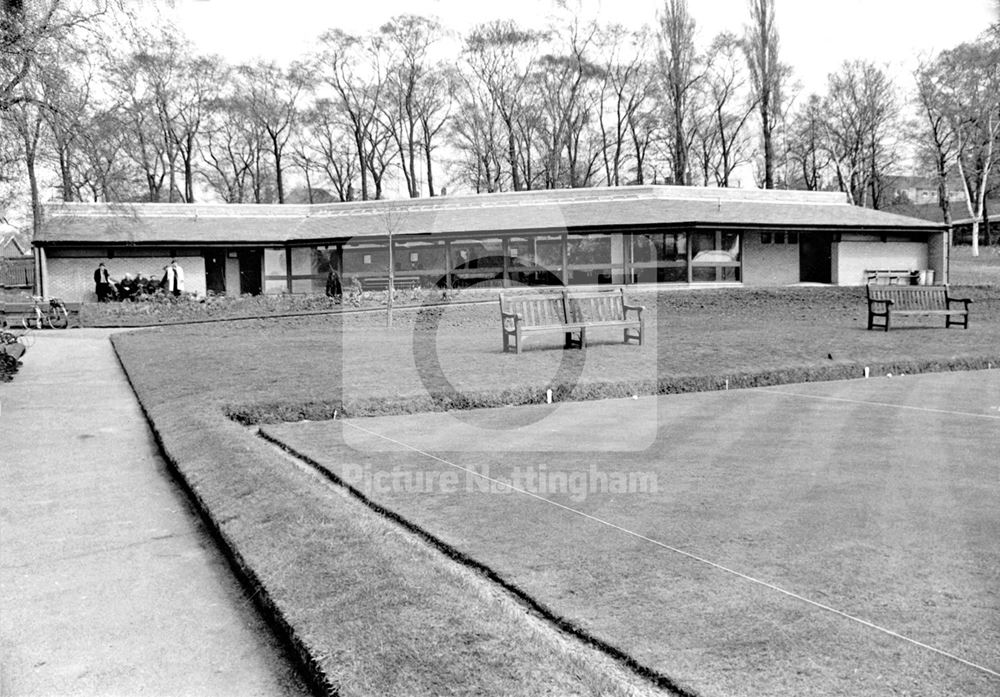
{"x": 279, "y": 179}
{"x": 189, "y": 170}
{"x": 427, "y": 155}
{"x": 512, "y": 154}
{"x": 768, "y": 149}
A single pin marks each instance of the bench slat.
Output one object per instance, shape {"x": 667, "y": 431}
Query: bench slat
{"x": 568, "y": 312}
{"x": 885, "y": 301}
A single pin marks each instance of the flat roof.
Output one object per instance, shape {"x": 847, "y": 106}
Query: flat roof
{"x": 548, "y": 210}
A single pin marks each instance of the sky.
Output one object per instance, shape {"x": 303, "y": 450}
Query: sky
{"x": 816, "y": 36}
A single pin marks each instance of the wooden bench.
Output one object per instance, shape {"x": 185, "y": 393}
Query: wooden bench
{"x": 895, "y": 277}
{"x": 889, "y": 301}
{"x": 567, "y": 312}
{"x": 398, "y": 283}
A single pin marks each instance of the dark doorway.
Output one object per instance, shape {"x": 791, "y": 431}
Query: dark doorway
{"x": 251, "y": 261}
{"x": 815, "y": 258}
{"x": 215, "y": 271}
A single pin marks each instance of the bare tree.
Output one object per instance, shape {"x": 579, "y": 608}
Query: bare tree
{"x": 101, "y": 169}
{"x": 861, "y": 119}
{"x": 332, "y": 147}
{"x": 939, "y": 139}
{"x": 231, "y": 148}
{"x": 502, "y": 56}
{"x": 967, "y": 90}
{"x": 272, "y": 96}
{"x": 353, "y": 68}
{"x": 727, "y": 104}
{"x": 476, "y": 132}
{"x": 768, "y": 77}
{"x": 624, "y": 91}
{"x": 564, "y": 81}
{"x": 680, "y": 72}
{"x": 411, "y": 105}
{"x": 807, "y": 148}
{"x": 132, "y": 93}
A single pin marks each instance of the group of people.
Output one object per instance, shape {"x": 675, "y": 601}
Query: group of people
{"x": 129, "y": 287}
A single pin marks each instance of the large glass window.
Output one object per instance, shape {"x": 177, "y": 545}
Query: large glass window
{"x": 715, "y": 256}
{"x": 275, "y": 271}
{"x": 589, "y": 259}
{"x": 659, "y": 257}
{"x": 365, "y": 261}
{"x": 535, "y": 261}
{"x": 478, "y": 262}
{"x": 421, "y": 263}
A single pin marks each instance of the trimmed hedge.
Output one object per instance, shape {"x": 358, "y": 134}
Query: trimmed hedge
{"x": 284, "y": 411}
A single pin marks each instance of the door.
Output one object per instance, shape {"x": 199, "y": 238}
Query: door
{"x": 251, "y": 263}
{"x": 815, "y": 259}
{"x": 215, "y": 271}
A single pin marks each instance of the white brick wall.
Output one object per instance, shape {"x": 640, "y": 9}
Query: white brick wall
{"x": 852, "y": 259}
{"x": 769, "y": 264}
{"x": 72, "y": 279}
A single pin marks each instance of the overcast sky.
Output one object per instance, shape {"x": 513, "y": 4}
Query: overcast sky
{"x": 816, "y": 35}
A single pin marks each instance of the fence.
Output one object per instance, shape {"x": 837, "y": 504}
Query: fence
{"x": 17, "y": 273}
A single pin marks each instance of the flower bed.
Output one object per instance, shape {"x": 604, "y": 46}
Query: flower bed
{"x": 161, "y": 308}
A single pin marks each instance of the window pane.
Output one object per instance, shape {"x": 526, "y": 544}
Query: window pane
{"x": 477, "y": 263}
{"x": 715, "y": 256}
{"x": 365, "y": 260}
{"x": 590, "y": 259}
{"x": 275, "y": 271}
{"x": 421, "y": 262}
{"x": 659, "y": 257}
{"x": 526, "y": 264}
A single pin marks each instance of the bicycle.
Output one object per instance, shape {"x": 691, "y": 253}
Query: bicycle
{"x": 52, "y": 315}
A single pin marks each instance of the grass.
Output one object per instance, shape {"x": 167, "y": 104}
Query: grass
{"x": 369, "y": 609}
{"x": 901, "y": 531}
{"x": 311, "y": 553}
{"x": 968, "y": 270}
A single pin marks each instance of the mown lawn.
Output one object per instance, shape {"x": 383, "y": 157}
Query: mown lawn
{"x": 379, "y": 613}
{"x": 886, "y": 514}
{"x": 967, "y": 270}
{"x": 432, "y": 359}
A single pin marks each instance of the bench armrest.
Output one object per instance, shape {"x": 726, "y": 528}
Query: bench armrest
{"x": 638, "y": 309}
{"x": 515, "y": 317}
{"x": 886, "y": 302}
{"x": 957, "y": 300}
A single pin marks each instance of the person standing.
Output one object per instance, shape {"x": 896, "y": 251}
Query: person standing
{"x": 173, "y": 278}
{"x": 333, "y": 286}
{"x": 102, "y": 283}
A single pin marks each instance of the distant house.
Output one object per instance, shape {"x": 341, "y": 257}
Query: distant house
{"x": 919, "y": 190}
{"x": 662, "y": 236}
{"x": 12, "y": 246}
{"x": 17, "y": 266}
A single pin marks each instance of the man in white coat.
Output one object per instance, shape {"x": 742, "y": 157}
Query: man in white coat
{"x": 173, "y": 278}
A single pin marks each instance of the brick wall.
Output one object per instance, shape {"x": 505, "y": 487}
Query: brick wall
{"x": 852, "y": 259}
{"x": 769, "y": 264}
{"x": 72, "y": 279}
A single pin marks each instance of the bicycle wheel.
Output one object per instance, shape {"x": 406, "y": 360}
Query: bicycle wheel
{"x": 57, "y": 317}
